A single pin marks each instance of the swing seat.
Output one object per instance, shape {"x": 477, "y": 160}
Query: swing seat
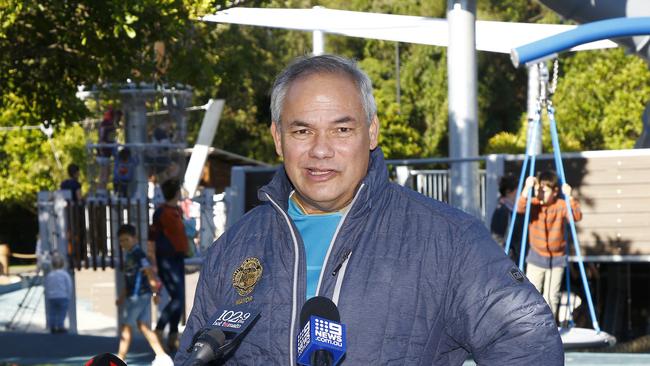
{"x": 574, "y": 338}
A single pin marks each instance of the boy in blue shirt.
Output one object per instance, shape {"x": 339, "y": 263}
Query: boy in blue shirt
{"x": 136, "y": 296}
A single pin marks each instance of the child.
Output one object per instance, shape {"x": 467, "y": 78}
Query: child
{"x": 168, "y": 233}
{"x": 58, "y": 289}
{"x": 500, "y": 223}
{"x": 107, "y": 131}
{"x": 123, "y": 172}
{"x": 548, "y": 216}
{"x": 72, "y": 183}
{"x": 139, "y": 281}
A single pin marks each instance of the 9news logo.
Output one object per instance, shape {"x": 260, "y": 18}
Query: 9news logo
{"x": 328, "y": 332}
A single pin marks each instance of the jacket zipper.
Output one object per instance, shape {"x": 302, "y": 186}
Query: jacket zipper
{"x": 336, "y": 234}
{"x": 343, "y": 264}
{"x": 292, "y": 337}
{"x": 340, "y": 271}
{"x": 344, "y": 259}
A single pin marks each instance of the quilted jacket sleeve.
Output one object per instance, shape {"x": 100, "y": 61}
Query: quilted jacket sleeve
{"x": 495, "y": 313}
{"x": 204, "y": 305}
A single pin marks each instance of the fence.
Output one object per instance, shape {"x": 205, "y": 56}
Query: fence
{"x": 87, "y": 231}
{"x": 435, "y": 183}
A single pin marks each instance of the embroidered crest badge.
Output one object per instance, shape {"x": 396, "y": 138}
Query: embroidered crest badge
{"x": 246, "y": 276}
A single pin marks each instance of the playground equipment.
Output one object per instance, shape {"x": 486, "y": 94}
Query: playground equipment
{"x": 536, "y": 54}
{"x": 153, "y": 133}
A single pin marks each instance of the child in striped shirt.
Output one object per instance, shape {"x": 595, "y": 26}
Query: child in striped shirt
{"x": 548, "y": 216}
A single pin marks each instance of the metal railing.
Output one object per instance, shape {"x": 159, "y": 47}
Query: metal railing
{"x": 435, "y": 183}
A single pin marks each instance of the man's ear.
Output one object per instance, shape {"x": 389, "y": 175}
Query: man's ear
{"x": 373, "y": 131}
{"x": 277, "y": 138}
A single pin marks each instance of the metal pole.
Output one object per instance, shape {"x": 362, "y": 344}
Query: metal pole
{"x": 207, "y": 233}
{"x": 134, "y": 104}
{"x": 318, "y": 39}
{"x": 495, "y": 167}
{"x": 398, "y": 91}
{"x": 531, "y": 106}
{"x": 463, "y": 106}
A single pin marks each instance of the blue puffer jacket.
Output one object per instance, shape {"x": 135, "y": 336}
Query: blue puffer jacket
{"x": 417, "y": 282}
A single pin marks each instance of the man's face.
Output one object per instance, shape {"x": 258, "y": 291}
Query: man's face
{"x": 325, "y": 140}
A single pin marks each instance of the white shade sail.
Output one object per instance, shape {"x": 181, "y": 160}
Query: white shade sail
{"x": 491, "y": 36}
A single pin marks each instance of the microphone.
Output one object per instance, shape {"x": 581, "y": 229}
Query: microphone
{"x": 206, "y": 347}
{"x": 221, "y": 335}
{"x": 321, "y": 341}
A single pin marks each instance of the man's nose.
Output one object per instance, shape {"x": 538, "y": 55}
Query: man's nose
{"x": 321, "y": 147}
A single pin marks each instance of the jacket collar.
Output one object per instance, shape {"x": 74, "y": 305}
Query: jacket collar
{"x": 373, "y": 184}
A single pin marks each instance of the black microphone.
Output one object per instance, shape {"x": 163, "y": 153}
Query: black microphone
{"x": 221, "y": 335}
{"x": 321, "y": 341}
{"x": 206, "y": 347}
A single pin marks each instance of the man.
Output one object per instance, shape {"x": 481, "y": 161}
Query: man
{"x": 416, "y": 281}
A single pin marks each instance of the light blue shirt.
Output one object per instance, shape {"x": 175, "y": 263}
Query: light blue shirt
{"x": 316, "y": 232}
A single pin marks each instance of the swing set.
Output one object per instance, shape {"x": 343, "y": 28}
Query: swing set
{"x": 535, "y": 55}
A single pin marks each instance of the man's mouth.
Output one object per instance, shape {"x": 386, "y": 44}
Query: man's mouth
{"x": 318, "y": 172}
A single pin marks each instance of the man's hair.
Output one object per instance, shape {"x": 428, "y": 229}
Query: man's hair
{"x": 72, "y": 170}
{"x": 548, "y": 178}
{"x": 322, "y": 64}
{"x": 507, "y": 184}
{"x": 127, "y": 229}
{"x": 169, "y": 188}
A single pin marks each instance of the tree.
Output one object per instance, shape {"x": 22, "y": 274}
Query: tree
{"x": 48, "y": 48}
{"x": 590, "y": 115}
{"x": 602, "y": 115}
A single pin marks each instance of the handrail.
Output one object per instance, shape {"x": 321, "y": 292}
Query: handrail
{"x": 590, "y": 32}
{"x": 435, "y": 160}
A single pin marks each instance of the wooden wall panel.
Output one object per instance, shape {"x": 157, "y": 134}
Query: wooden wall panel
{"x": 614, "y": 193}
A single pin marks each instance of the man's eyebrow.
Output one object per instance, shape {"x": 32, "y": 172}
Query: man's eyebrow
{"x": 345, "y": 119}
{"x": 299, "y": 123}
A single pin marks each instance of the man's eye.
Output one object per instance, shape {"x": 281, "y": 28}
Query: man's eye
{"x": 302, "y": 133}
{"x": 344, "y": 130}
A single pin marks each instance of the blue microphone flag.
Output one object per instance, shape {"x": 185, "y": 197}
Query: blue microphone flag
{"x": 321, "y": 334}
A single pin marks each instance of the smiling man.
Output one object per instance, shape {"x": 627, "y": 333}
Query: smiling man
{"x": 416, "y": 281}
{"x": 324, "y": 136}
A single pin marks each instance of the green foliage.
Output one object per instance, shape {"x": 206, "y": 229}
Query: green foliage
{"x": 49, "y": 47}
{"x": 591, "y": 115}
{"x": 28, "y": 163}
{"x": 600, "y": 99}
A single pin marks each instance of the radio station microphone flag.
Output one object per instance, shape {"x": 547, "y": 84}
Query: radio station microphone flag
{"x": 223, "y": 332}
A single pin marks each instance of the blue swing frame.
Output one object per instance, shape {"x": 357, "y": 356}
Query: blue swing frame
{"x": 537, "y": 52}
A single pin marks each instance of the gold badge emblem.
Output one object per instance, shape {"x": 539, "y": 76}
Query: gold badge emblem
{"x": 246, "y": 276}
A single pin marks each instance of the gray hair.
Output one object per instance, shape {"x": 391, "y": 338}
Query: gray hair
{"x": 327, "y": 64}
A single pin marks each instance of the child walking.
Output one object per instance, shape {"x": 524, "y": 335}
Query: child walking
{"x": 58, "y": 290}
{"x": 548, "y": 217}
{"x": 139, "y": 281}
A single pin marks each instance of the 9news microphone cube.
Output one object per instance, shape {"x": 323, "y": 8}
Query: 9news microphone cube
{"x": 321, "y": 334}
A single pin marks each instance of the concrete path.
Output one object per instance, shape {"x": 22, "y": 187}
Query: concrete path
{"x": 28, "y": 342}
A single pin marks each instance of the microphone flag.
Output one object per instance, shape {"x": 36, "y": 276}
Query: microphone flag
{"x": 235, "y": 320}
{"x": 321, "y": 334}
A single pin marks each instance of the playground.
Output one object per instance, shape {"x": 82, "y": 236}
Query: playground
{"x": 141, "y": 134}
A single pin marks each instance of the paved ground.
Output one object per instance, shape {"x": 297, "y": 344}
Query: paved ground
{"x": 28, "y": 343}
